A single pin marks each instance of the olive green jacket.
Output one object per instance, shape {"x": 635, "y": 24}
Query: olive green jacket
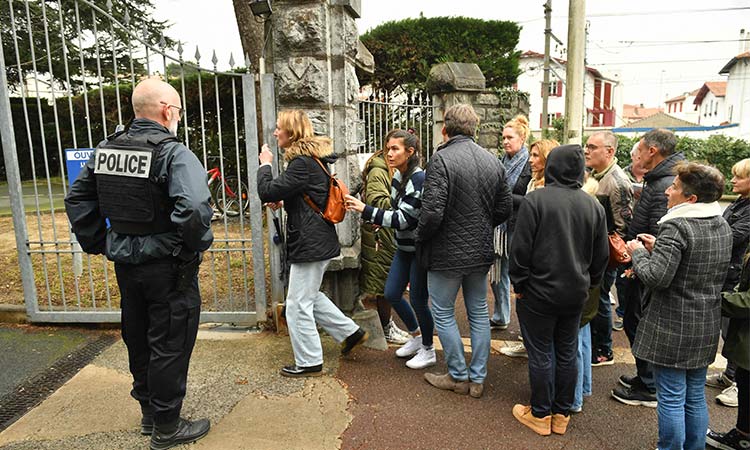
{"x": 736, "y": 306}
{"x": 376, "y": 262}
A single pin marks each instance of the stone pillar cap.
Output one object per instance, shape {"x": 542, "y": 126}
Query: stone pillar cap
{"x": 454, "y": 76}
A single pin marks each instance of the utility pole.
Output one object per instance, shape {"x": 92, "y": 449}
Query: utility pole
{"x": 575, "y": 72}
{"x": 545, "y": 83}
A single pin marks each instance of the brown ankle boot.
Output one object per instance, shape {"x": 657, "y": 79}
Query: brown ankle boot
{"x": 559, "y": 423}
{"x": 476, "y": 389}
{"x": 446, "y": 382}
{"x": 541, "y": 426}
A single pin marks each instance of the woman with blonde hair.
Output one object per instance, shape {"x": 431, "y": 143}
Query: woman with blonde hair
{"x": 311, "y": 241}
{"x": 518, "y": 174}
{"x": 538, "y": 160}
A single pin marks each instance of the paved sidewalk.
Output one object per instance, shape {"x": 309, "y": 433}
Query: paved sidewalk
{"x": 369, "y": 400}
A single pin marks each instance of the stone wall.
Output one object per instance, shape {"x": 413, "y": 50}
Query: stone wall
{"x": 452, "y": 83}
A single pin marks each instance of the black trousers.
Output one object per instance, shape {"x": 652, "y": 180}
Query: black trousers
{"x": 742, "y": 377}
{"x": 632, "y": 293}
{"x": 551, "y": 340}
{"x": 159, "y": 327}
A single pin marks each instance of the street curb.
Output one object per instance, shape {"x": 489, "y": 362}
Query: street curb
{"x": 13, "y": 314}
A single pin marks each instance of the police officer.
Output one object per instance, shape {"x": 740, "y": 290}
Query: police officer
{"x": 152, "y": 190}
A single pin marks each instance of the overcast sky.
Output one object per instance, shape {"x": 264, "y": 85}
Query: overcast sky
{"x": 652, "y": 47}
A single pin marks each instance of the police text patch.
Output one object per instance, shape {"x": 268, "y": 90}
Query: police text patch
{"x": 126, "y": 163}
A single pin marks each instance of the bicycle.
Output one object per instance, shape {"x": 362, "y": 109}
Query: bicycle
{"x": 229, "y": 195}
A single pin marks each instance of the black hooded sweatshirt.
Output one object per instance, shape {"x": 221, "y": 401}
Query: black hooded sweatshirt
{"x": 560, "y": 247}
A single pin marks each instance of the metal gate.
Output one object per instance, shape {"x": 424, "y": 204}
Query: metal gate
{"x": 66, "y": 73}
{"x": 384, "y": 111}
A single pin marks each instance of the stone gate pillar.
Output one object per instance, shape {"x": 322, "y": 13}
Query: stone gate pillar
{"x": 314, "y": 48}
{"x": 452, "y": 83}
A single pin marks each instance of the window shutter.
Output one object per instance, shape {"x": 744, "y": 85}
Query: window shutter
{"x": 559, "y": 88}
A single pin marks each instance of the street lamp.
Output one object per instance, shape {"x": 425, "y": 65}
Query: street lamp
{"x": 261, "y": 8}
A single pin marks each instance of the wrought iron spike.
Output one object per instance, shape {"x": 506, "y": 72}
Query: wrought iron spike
{"x": 179, "y": 48}
{"x": 144, "y": 32}
{"x": 162, "y": 42}
{"x": 197, "y": 54}
{"x": 231, "y": 60}
{"x": 214, "y": 59}
{"x": 247, "y": 61}
{"x": 126, "y": 18}
{"x": 109, "y": 6}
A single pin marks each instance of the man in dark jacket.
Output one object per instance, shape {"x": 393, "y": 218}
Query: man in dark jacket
{"x": 656, "y": 151}
{"x": 465, "y": 197}
{"x": 559, "y": 250}
{"x": 153, "y": 191}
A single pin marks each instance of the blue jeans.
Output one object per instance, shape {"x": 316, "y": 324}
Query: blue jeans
{"x": 601, "y": 325}
{"x": 681, "y": 408}
{"x": 501, "y": 292}
{"x": 583, "y": 383}
{"x": 443, "y": 287}
{"x": 405, "y": 270}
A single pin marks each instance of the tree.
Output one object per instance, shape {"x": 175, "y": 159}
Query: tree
{"x": 251, "y": 32}
{"x": 68, "y": 42}
{"x": 406, "y": 50}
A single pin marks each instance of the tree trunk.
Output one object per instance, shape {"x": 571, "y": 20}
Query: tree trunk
{"x": 251, "y": 32}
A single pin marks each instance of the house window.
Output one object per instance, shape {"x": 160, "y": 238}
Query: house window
{"x": 716, "y": 108}
{"x": 731, "y": 108}
{"x": 710, "y": 108}
{"x": 553, "y": 89}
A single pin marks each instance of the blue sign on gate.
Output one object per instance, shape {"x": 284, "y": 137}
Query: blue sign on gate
{"x": 75, "y": 159}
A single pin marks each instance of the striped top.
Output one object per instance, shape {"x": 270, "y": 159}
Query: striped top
{"x": 405, "y": 215}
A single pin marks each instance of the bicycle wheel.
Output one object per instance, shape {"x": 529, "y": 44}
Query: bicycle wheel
{"x": 234, "y": 197}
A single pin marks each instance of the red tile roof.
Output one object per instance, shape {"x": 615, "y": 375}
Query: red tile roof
{"x": 718, "y": 88}
{"x": 531, "y": 54}
{"x": 725, "y": 70}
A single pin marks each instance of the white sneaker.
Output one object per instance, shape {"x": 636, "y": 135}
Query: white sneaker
{"x": 425, "y": 357}
{"x": 515, "y": 350}
{"x": 612, "y": 299}
{"x": 411, "y": 347}
{"x": 728, "y": 396}
{"x": 394, "y": 335}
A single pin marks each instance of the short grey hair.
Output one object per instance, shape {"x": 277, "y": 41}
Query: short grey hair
{"x": 661, "y": 138}
{"x": 609, "y": 138}
{"x": 461, "y": 119}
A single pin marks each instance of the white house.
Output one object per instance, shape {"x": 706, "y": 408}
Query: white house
{"x": 709, "y": 102}
{"x": 683, "y": 106}
{"x": 737, "y": 98}
{"x": 601, "y": 98}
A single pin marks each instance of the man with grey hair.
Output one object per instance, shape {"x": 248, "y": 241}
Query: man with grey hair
{"x": 616, "y": 195}
{"x": 465, "y": 197}
{"x": 656, "y": 151}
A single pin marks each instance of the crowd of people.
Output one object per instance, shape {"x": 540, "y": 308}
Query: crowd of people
{"x": 539, "y": 221}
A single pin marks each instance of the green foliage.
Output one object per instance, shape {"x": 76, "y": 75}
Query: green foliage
{"x": 557, "y": 131}
{"x": 406, "y": 50}
{"x": 68, "y": 43}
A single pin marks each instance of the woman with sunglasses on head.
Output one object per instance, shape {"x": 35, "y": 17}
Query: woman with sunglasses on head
{"x": 406, "y": 193}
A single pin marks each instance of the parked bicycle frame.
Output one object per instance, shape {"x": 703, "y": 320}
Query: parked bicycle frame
{"x": 229, "y": 195}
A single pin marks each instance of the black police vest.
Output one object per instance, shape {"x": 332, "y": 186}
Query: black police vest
{"x": 131, "y": 195}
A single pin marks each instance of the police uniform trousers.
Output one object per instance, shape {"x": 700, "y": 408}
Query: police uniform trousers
{"x": 159, "y": 327}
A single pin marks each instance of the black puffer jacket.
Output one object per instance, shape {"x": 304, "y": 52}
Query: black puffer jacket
{"x": 653, "y": 202}
{"x": 308, "y": 237}
{"x": 737, "y": 216}
{"x": 465, "y": 197}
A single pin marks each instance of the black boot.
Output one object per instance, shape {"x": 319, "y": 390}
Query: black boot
{"x": 147, "y": 420}
{"x": 180, "y": 432}
{"x": 359, "y": 337}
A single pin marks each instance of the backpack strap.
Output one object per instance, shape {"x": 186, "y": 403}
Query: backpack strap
{"x": 307, "y": 198}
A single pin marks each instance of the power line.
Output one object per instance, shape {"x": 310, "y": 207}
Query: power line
{"x": 617, "y": 63}
{"x": 647, "y": 13}
{"x": 640, "y": 44}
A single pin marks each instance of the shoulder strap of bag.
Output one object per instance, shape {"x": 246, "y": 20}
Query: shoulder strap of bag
{"x": 307, "y": 198}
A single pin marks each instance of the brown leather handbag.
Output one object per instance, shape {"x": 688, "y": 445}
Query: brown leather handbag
{"x": 618, "y": 251}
